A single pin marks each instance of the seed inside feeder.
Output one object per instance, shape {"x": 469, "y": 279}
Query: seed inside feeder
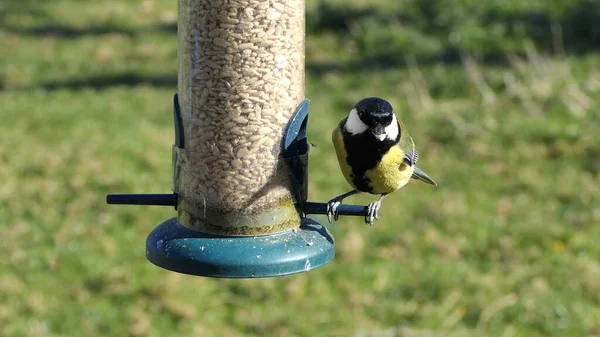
{"x": 241, "y": 77}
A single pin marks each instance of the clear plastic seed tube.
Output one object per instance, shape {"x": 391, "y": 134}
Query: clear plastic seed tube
{"x": 241, "y": 77}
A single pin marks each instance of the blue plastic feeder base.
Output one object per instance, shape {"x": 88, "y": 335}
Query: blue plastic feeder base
{"x": 176, "y": 248}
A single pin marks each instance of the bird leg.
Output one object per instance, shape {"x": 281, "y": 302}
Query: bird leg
{"x": 333, "y": 204}
{"x": 373, "y": 210}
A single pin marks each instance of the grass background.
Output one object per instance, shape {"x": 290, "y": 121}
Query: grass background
{"x": 501, "y": 97}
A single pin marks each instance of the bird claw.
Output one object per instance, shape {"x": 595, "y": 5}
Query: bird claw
{"x": 372, "y": 212}
{"x": 332, "y": 209}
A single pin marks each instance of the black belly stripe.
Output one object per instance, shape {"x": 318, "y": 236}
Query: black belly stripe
{"x": 364, "y": 152}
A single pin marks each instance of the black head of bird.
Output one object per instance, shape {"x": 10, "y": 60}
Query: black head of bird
{"x": 375, "y": 115}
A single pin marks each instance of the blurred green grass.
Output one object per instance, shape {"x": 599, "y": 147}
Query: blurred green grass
{"x": 501, "y": 97}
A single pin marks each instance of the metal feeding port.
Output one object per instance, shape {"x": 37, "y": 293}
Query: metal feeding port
{"x": 241, "y": 151}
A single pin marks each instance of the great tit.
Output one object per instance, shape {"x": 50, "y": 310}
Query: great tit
{"x": 376, "y": 154}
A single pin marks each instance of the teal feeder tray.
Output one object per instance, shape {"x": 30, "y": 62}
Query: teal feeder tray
{"x": 180, "y": 249}
{"x": 310, "y": 246}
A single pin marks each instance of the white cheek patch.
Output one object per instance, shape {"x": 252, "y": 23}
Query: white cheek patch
{"x": 354, "y": 125}
{"x": 391, "y": 130}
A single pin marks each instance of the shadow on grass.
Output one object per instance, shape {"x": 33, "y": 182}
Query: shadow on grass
{"x": 165, "y": 27}
{"x": 396, "y": 61}
{"x": 63, "y": 31}
{"x": 106, "y": 81}
{"x": 381, "y": 36}
{"x": 70, "y": 32}
{"x": 392, "y": 32}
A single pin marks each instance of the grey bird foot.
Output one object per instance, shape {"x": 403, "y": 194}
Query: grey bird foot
{"x": 373, "y": 212}
{"x": 332, "y": 209}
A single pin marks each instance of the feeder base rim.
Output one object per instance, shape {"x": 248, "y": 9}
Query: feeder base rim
{"x": 174, "y": 247}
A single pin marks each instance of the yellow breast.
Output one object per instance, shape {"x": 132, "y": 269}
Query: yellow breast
{"x": 391, "y": 173}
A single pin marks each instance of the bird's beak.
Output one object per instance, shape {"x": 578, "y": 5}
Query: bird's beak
{"x": 379, "y": 132}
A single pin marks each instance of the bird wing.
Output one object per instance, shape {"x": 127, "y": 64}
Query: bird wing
{"x": 407, "y": 145}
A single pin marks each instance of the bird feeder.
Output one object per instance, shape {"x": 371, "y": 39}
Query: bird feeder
{"x": 240, "y": 152}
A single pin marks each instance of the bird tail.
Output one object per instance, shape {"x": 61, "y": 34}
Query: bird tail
{"x": 422, "y": 176}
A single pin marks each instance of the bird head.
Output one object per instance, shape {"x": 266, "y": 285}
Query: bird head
{"x": 374, "y": 115}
